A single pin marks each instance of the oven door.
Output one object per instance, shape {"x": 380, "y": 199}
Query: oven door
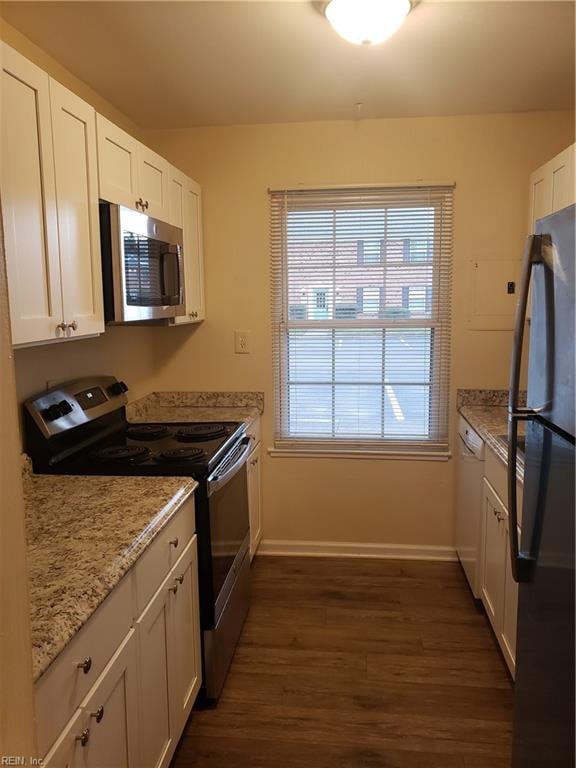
{"x": 147, "y": 267}
{"x": 227, "y": 490}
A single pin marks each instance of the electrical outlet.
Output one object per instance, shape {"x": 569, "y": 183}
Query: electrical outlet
{"x": 242, "y": 342}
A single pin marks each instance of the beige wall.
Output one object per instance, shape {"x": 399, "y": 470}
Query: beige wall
{"x": 489, "y": 157}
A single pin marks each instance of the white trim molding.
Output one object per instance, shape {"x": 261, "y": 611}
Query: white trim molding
{"x": 285, "y": 548}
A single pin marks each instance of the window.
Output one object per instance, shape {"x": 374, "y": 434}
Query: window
{"x": 361, "y": 316}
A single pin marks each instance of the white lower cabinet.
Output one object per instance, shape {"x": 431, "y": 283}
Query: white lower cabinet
{"x": 104, "y": 731}
{"x": 498, "y": 589}
{"x": 134, "y": 713}
{"x": 169, "y": 660}
{"x": 255, "y": 498}
{"x": 153, "y": 629}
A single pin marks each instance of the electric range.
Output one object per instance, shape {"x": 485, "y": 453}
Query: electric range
{"x": 80, "y": 428}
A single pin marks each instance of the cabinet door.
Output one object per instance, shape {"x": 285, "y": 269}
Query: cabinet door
{"x": 111, "y": 712}
{"x": 509, "y": 611}
{"x": 255, "y": 498}
{"x": 29, "y": 201}
{"x": 176, "y": 188}
{"x": 193, "y": 253}
{"x": 563, "y": 182}
{"x": 74, "y": 138}
{"x": 153, "y": 629}
{"x": 153, "y": 183}
{"x": 67, "y": 750}
{"x": 117, "y": 164}
{"x": 184, "y": 661}
{"x": 493, "y": 556}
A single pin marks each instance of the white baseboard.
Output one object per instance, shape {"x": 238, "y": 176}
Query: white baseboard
{"x": 355, "y": 549}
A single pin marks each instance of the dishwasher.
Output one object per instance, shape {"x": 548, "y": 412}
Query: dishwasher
{"x": 469, "y": 475}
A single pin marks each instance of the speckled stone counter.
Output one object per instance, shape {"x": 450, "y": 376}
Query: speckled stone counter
{"x": 84, "y": 534}
{"x": 197, "y": 406}
{"x": 487, "y": 413}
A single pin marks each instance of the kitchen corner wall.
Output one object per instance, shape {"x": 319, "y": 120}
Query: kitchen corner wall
{"x": 489, "y": 157}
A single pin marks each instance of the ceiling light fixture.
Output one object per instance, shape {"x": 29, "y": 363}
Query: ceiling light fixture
{"x": 366, "y": 22}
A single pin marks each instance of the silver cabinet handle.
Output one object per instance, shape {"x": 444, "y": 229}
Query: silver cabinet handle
{"x": 174, "y": 543}
{"x": 98, "y": 715}
{"x": 140, "y": 203}
{"x": 253, "y": 462}
{"x": 62, "y": 327}
{"x": 85, "y": 665}
{"x": 73, "y": 325}
{"x": 145, "y": 205}
{"x": 180, "y": 579}
{"x": 174, "y": 587}
{"x": 84, "y": 737}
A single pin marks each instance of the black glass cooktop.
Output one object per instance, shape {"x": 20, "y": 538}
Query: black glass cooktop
{"x": 192, "y": 448}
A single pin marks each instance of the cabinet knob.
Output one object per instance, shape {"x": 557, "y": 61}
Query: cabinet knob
{"x": 85, "y": 665}
{"x": 145, "y": 205}
{"x": 73, "y": 325}
{"x": 180, "y": 579}
{"x": 174, "y": 543}
{"x": 174, "y": 587}
{"x": 84, "y": 737}
{"x": 98, "y": 715}
{"x": 62, "y": 327}
{"x": 140, "y": 203}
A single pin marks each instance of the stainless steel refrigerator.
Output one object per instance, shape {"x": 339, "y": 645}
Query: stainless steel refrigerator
{"x": 543, "y": 556}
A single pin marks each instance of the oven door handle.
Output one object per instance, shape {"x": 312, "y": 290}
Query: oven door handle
{"x": 216, "y": 480}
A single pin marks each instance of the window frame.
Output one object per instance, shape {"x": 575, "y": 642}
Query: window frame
{"x": 436, "y": 445}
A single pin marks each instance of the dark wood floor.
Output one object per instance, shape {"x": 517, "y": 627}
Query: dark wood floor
{"x": 347, "y": 663}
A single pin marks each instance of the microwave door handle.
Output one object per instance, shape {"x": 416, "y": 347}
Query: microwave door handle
{"x": 170, "y": 277}
{"x": 216, "y": 481}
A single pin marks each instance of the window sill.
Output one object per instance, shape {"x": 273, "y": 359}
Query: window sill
{"x": 360, "y": 453}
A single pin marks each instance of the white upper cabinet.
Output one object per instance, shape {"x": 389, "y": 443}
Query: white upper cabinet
{"x": 50, "y": 206}
{"x": 74, "y": 138}
{"x": 553, "y": 186}
{"x": 131, "y": 174}
{"x": 117, "y": 164}
{"x": 185, "y": 211}
{"x": 29, "y": 201}
{"x": 153, "y": 182}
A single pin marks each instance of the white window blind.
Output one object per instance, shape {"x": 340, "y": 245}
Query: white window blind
{"x": 361, "y": 282}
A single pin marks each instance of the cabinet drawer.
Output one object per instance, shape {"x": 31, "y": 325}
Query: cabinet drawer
{"x": 254, "y": 431}
{"x": 496, "y": 472}
{"x": 59, "y": 691}
{"x": 152, "y": 568}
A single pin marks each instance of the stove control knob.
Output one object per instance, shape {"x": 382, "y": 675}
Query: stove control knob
{"x": 118, "y": 388}
{"x": 52, "y": 413}
{"x": 65, "y": 407}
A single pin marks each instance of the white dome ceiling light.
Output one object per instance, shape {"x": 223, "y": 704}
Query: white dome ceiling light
{"x": 366, "y": 22}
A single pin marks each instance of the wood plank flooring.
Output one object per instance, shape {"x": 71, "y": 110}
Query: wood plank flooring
{"x": 353, "y": 663}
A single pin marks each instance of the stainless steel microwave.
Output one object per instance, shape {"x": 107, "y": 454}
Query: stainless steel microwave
{"x": 142, "y": 266}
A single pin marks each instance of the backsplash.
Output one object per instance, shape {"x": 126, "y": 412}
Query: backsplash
{"x": 498, "y": 397}
{"x": 224, "y": 399}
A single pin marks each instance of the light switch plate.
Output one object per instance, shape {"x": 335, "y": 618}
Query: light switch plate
{"x": 242, "y": 342}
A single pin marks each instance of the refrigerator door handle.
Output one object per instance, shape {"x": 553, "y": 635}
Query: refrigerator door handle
{"x": 532, "y": 255}
{"x": 521, "y": 565}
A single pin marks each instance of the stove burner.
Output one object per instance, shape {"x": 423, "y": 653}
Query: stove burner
{"x": 182, "y": 454}
{"x": 123, "y": 454}
{"x": 196, "y": 432}
{"x": 147, "y": 431}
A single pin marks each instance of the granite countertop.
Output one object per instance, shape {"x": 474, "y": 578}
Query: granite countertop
{"x": 487, "y": 412}
{"x": 84, "y": 534}
{"x": 197, "y": 406}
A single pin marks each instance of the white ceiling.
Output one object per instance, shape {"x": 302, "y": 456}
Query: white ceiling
{"x": 179, "y": 64}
